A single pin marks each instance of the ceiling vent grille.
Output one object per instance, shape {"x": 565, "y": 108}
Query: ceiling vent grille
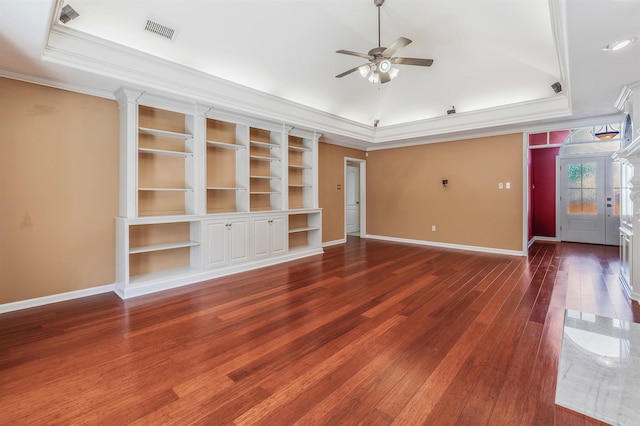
{"x": 160, "y": 30}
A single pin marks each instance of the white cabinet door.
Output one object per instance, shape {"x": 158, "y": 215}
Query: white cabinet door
{"x": 269, "y": 236}
{"x": 227, "y": 242}
{"x": 260, "y": 234}
{"x": 238, "y": 240}
{"x": 216, "y": 244}
{"x": 278, "y": 236}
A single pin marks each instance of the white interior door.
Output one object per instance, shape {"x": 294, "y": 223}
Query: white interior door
{"x": 353, "y": 199}
{"x": 587, "y": 200}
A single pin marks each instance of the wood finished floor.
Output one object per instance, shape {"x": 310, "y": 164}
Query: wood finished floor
{"x": 369, "y": 333}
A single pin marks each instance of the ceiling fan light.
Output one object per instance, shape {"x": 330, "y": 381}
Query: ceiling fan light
{"x": 393, "y": 72}
{"x": 364, "y": 70}
{"x": 374, "y": 78}
{"x": 384, "y": 65}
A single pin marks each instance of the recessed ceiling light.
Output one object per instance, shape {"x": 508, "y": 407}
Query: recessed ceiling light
{"x": 620, "y": 44}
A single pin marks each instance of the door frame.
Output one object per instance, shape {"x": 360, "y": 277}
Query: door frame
{"x": 362, "y": 165}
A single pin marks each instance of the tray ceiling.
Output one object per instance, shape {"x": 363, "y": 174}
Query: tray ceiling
{"x": 494, "y": 60}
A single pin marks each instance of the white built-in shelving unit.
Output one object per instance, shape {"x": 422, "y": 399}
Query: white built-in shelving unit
{"x": 206, "y": 193}
{"x": 629, "y": 157}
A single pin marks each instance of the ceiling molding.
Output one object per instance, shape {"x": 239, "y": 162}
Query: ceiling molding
{"x": 625, "y": 92}
{"x": 69, "y": 47}
{"x": 92, "y": 91}
{"x": 516, "y": 114}
{"x": 131, "y": 67}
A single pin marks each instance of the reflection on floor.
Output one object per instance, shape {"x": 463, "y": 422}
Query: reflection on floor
{"x": 599, "y": 370}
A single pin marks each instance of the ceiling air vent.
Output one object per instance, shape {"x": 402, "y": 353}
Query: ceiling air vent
{"x": 160, "y": 30}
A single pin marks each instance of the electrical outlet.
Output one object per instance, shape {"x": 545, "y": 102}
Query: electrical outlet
{"x": 500, "y": 185}
{"x": 433, "y": 227}
{"x": 508, "y": 185}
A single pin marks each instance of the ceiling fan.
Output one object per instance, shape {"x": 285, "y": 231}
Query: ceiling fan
{"x": 381, "y": 60}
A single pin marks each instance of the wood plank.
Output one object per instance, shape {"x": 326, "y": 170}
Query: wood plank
{"x": 370, "y": 332}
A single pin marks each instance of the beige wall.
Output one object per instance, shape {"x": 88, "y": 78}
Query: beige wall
{"x": 58, "y": 190}
{"x": 405, "y": 196}
{"x": 330, "y": 175}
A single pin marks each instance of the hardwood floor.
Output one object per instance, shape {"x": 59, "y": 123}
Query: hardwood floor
{"x": 368, "y": 333}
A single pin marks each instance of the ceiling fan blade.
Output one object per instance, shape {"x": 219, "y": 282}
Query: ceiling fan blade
{"x": 395, "y": 46}
{"x": 384, "y": 77}
{"x": 349, "y": 52}
{"x": 412, "y": 61}
{"x": 349, "y": 71}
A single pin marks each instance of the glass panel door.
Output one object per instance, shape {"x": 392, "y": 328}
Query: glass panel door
{"x": 582, "y": 200}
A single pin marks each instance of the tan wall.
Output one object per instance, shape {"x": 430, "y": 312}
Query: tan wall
{"x": 405, "y": 196}
{"x": 58, "y": 190}
{"x": 330, "y": 175}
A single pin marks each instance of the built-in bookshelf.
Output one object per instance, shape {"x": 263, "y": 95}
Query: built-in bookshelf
{"x": 265, "y": 170}
{"x": 205, "y": 193}
{"x": 304, "y": 229}
{"x": 226, "y": 167}
{"x": 165, "y": 157}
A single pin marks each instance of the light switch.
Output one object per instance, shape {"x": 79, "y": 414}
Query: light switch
{"x": 508, "y": 185}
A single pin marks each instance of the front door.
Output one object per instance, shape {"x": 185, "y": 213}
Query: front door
{"x": 588, "y": 200}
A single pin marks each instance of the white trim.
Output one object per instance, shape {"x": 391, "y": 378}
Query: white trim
{"x": 362, "y": 209}
{"x": 84, "y": 90}
{"x": 182, "y": 280}
{"x": 447, "y": 245}
{"x": 54, "y": 298}
{"x": 550, "y": 239}
{"x": 525, "y": 193}
{"x": 513, "y": 115}
{"x": 573, "y": 123}
{"x": 334, "y": 242}
{"x": 82, "y": 51}
{"x": 558, "y": 195}
{"x": 550, "y": 145}
{"x": 625, "y": 93}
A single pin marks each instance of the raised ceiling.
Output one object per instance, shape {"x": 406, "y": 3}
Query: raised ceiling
{"x": 494, "y": 60}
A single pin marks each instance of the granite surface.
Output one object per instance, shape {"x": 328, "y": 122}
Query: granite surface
{"x": 599, "y": 369}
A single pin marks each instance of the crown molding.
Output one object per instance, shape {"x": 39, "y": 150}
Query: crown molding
{"x": 130, "y": 67}
{"x": 625, "y": 92}
{"x": 516, "y": 114}
{"x": 57, "y": 84}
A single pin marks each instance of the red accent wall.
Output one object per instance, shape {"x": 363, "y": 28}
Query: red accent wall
{"x": 538, "y": 139}
{"x": 543, "y": 191}
{"x": 558, "y": 136}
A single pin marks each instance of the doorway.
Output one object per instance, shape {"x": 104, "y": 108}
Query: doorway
{"x": 354, "y": 196}
{"x": 589, "y": 199}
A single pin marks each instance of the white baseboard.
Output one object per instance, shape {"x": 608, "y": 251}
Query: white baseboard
{"x": 334, "y": 242}
{"x": 447, "y": 245}
{"x": 156, "y": 285}
{"x": 552, "y": 239}
{"x": 54, "y": 298}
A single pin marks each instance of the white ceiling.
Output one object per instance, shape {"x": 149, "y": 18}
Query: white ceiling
{"x": 494, "y": 60}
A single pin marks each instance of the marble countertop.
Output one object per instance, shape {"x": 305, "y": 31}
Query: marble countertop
{"x": 599, "y": 369}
